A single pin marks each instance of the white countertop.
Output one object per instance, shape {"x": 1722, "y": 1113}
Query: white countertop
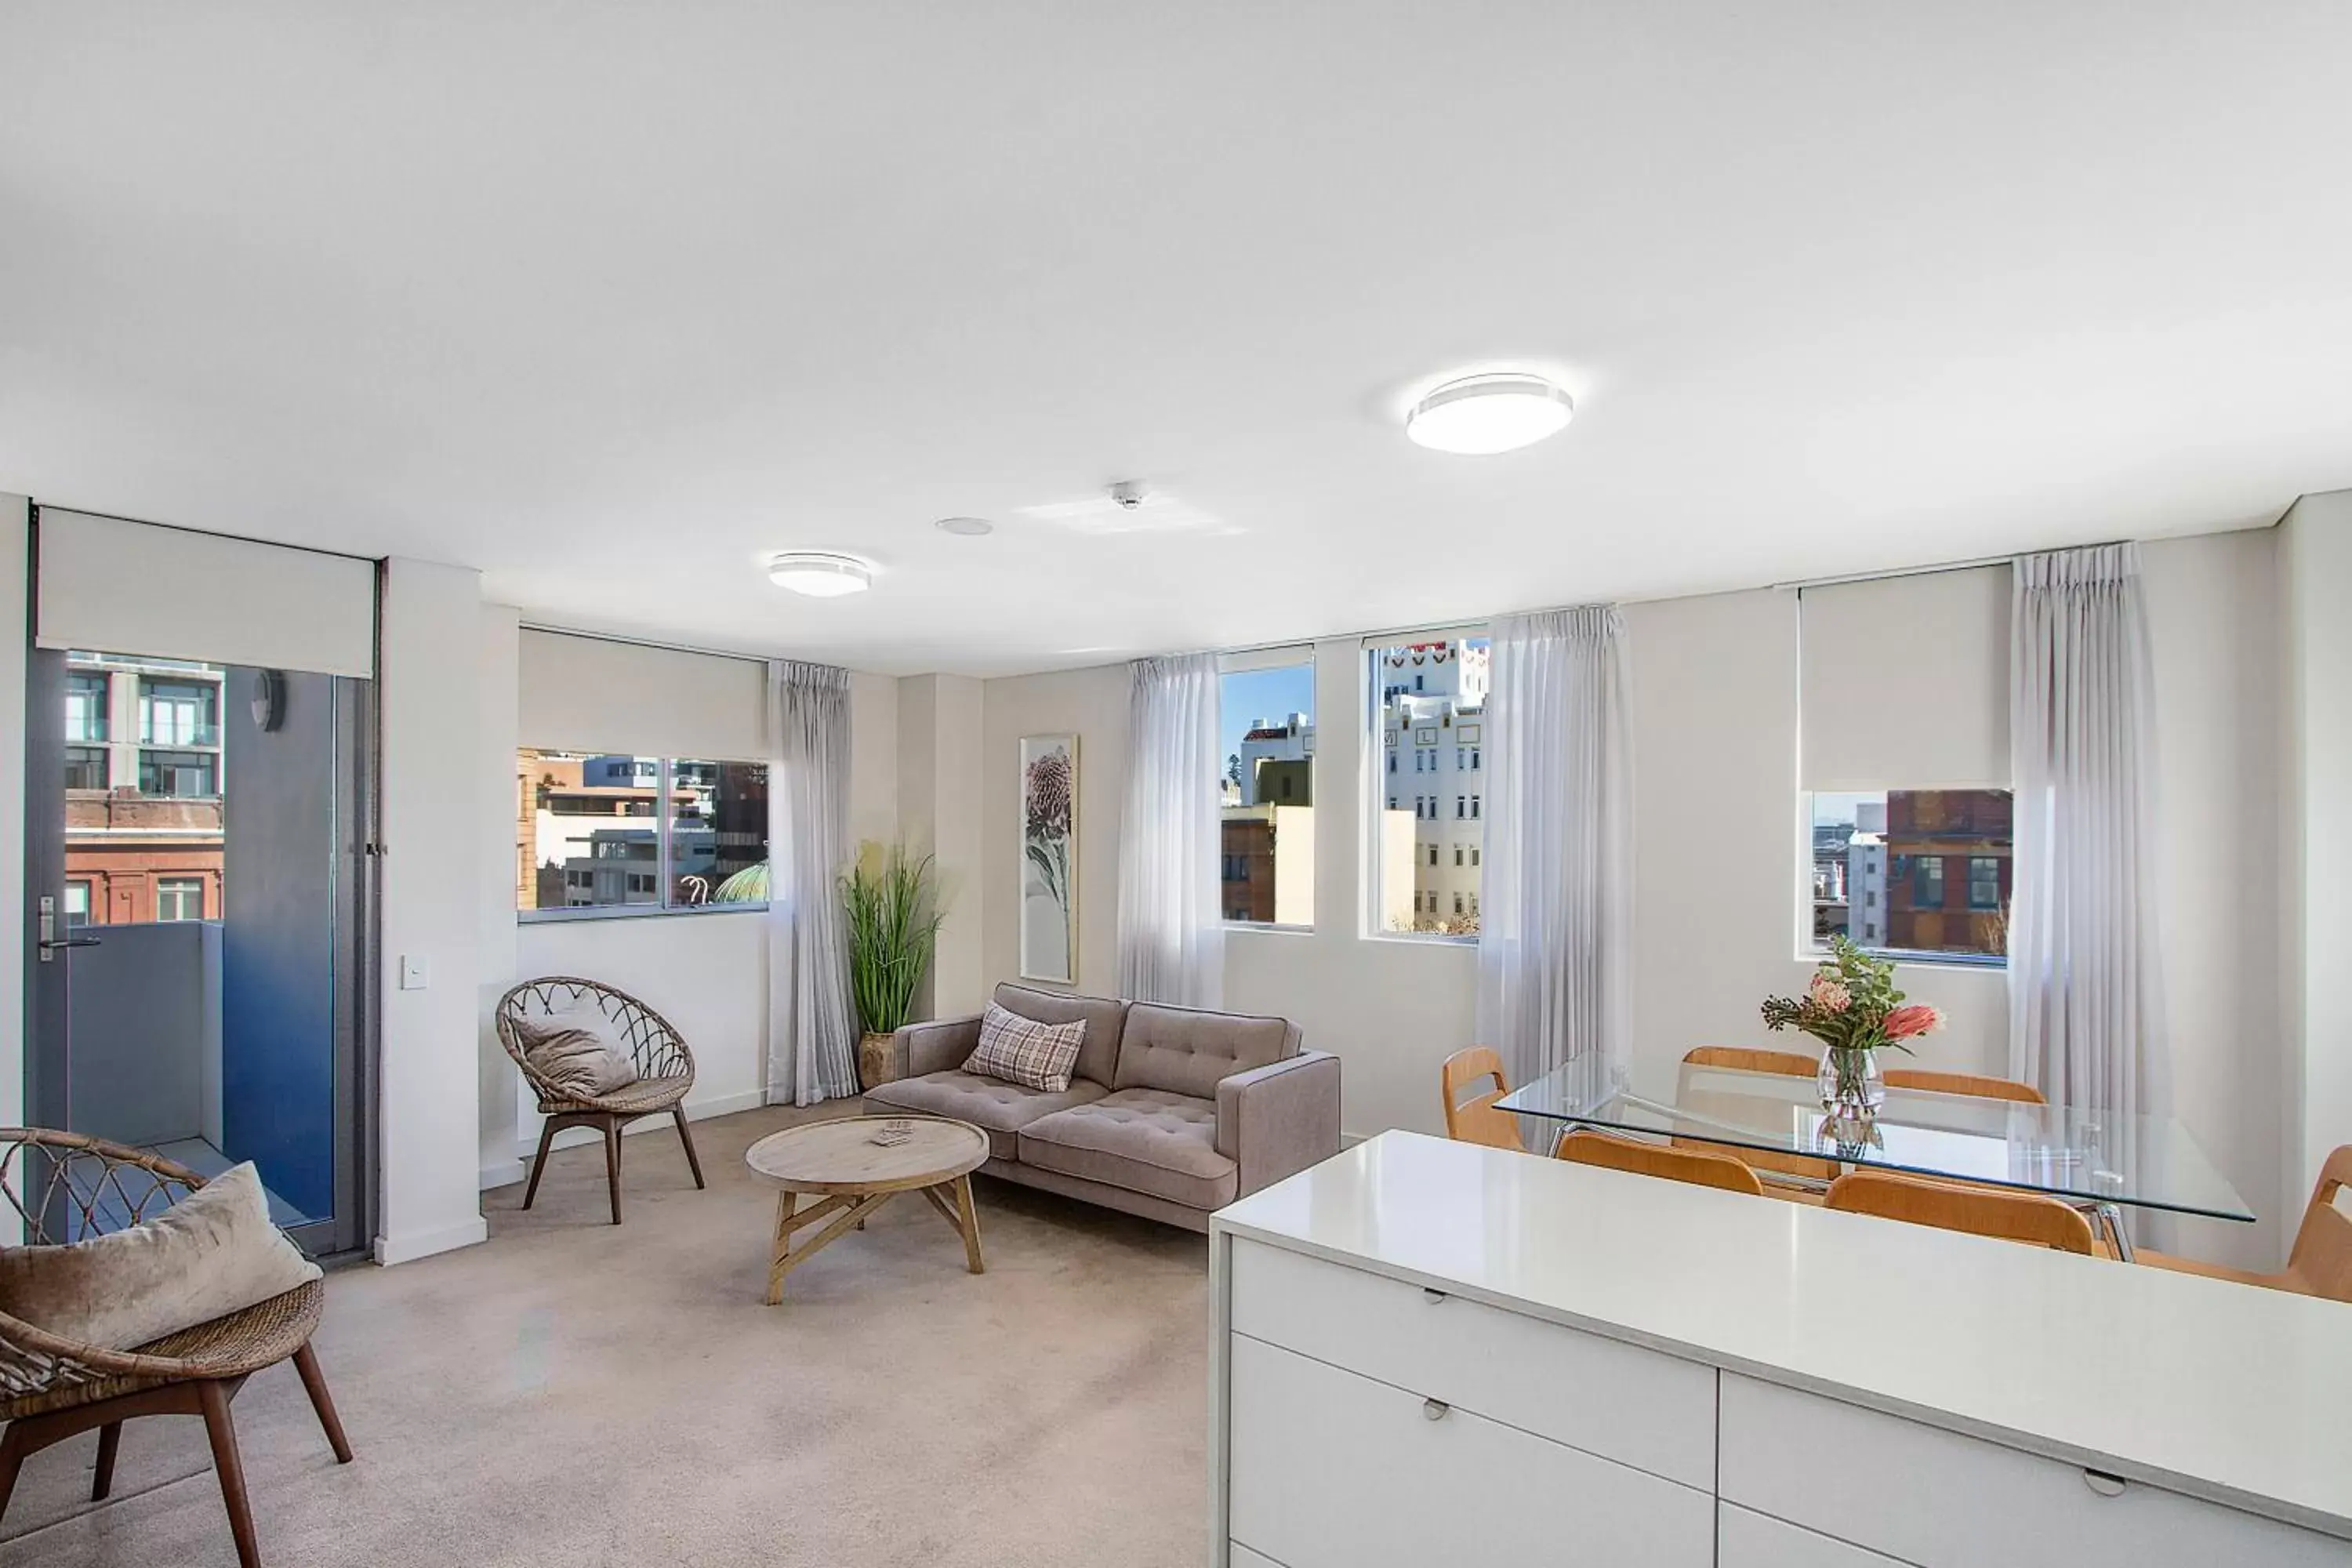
{"x": 2240, "y": 1396}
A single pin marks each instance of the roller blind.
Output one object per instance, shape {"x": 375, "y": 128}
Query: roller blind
{"x": 1905, "y": 683}
{"x": 114, "y": 586}
{"x": 581, "y": 693}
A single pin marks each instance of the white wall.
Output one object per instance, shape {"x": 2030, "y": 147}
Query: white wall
{"x": 2315, "y": 952}
{"x": 430, "y": 692}
{"x": 1717, "y": 855}
{"x": 500, "y": 1086}
{"x": 941, "y": 814}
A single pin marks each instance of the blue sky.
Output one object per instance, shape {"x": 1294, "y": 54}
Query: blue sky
{"x": 1272, "y": 695}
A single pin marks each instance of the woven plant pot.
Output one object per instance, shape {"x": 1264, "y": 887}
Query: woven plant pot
{"x": 878, "y": 1060}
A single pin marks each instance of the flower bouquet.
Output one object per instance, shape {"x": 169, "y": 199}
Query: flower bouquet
{"x": 1853, "y": 1009}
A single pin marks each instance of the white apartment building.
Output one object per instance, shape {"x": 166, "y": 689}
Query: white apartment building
{"x": 1433, "y": 738}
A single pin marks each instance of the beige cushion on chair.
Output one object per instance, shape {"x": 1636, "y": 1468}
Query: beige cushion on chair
{"x": 572, "y": 1052}
{"x": 214, "y": 1252}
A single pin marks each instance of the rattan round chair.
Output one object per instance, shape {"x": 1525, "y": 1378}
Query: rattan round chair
{"x": 65, "y": 1187}
{"x": 664, "y": 1073}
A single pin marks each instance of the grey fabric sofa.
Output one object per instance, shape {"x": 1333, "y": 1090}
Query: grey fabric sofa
{"x": 1173, "y": 1112}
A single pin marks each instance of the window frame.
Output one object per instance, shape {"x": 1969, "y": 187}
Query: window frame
{"x": 663, "y": 819}
{"x": 180, "y": 889}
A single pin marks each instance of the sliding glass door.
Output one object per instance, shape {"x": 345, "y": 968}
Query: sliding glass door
{"x": 199, "y": 977}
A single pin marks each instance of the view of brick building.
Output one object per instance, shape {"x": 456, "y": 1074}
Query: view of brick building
{"x": 1948, "y": 859}
{"x": 143, "y": 778}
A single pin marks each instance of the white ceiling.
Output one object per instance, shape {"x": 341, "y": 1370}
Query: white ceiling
{"x": 610, "y": 301}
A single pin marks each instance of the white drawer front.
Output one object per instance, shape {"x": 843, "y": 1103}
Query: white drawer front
{"x": 1332, "y": 1470}
{"x": 1943, "y": 1500}
{"x": 1619, "y": 1401}
{"x": 1744, "y": 1540}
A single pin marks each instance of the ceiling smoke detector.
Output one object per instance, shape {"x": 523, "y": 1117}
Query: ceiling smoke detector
{"x": 820, "y": 574}
{"x": 1479, "y": 415}
{"x": 1127, "y": 494}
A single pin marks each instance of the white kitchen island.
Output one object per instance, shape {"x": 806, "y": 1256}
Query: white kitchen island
{"x": 1425, "y": 1351}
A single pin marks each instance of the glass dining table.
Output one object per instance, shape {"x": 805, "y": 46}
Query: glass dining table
{"x": 2098, "y": 1163}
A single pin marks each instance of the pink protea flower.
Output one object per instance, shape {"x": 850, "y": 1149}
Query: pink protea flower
{"x": 1908, "y": 1022}
{"x": 1831, "y": 996}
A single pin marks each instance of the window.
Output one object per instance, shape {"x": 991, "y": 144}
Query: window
{"x": 77, "y": 904}
{"x": 1266, "y": 726}
{"x": 179, "y": 775}
{"x": 597, "y": 832}
{"x": 179, "y": 899}
{"x": 1984, "y": 881}
{"x": 1877, "y": 863}
{"x": 1927, "y": 882}
{"x": 1477, "y": 761}
{"x": 1429, "y": 694}
{"x": 85, "y": 767}
{"x": 1477, "y": 805}
{"x": 178, "y": 713}
{"x": 1391, "y": 761}
{"x": 85, "y": 707}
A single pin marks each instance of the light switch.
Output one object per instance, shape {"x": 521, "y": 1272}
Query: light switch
{"x": 416, "y": 972}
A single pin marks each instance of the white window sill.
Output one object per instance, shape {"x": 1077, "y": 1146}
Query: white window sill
{"x": 631, "y": 912}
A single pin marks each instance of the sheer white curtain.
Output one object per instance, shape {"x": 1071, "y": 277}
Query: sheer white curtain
{"x": 1556, "y": 938}
{"x": 1171, "y": 934}
{"x": 811, "y": 1051}
{"x": 2086, "y": 992}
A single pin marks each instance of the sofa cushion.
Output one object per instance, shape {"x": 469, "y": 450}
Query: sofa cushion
{"x": 1026, "y": 1052}
{"x": 1105, "y": 1019}
{"x": 998, "y": 1109}
{"x": 1186, "y": 1052}
{"x": 1144, "y": 1140}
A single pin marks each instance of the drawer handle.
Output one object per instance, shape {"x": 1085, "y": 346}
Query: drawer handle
{"x": 2103, "y": 1483}
{"x": 1432, "y": 1297}
{"x": 1435, "y": 1409}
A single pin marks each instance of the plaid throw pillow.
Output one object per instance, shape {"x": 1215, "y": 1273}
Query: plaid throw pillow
{"x": 1026, "y": 1052}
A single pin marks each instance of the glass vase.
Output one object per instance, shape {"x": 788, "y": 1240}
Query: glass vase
{"x": 1851, "y": 1085}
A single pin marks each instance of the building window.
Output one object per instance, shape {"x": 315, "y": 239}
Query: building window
{"x": 1876, "y": 865}
{"x": 179, "y": 775}
{"x": 1477, "y": 762}
{"x": 1266, "y": 836}
{"x": 78, "y": 904}
{"x": 179, "y": 899}
{"x": 85, "y": 707}
{"x": 1431, "y": 693}
{"x": 1391, "y": 761}
{"x": 597, "y": 832}
{"x": 178, "y": 713}
{"x": 1457, "y": 903}
{"x": 1473, "y": 854}
{"x": 1477, "y": 805}
{"x": 85, "y": 767}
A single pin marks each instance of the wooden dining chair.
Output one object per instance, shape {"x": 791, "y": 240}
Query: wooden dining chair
{"x": 2321, "y": 1261}
{"x": 1816, "y": 1174}
{"x": 1475, "y": 1119}
{"x": 1586, "y": 1147}
{"x": 1985, "y": 1211}
{"x": 1968, "y": 1083}
{"x": 1740, "y": 1059}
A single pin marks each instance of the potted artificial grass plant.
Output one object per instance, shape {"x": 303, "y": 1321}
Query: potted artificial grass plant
{"x": 894, "y": 924}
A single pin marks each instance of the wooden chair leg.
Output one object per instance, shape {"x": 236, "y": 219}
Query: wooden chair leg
{"x": 314, "y": 1383}
{"x": 12, "y": 1459}
{"x": 692, "y": 1159}
{"x": 539, "y": 1165}
{"x": 214, "y": 1398}
{"x": 613, "y": 1164}
{"x": 110, "y": 1440}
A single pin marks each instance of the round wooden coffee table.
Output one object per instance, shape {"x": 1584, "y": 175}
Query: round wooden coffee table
{"x": 850, "y": 1175}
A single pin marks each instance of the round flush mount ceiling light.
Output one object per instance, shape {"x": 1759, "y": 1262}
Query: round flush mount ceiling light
{"x": 1481, "y": 415}
{"x": 820, "y": 574}
{"x": 965, "y": 527}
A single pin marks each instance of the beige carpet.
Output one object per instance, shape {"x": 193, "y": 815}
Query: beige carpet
{"x": 571, "y": 1393}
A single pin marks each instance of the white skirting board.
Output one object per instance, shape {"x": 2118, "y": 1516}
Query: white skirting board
{"x": 392, "y": 1249}
{"x": 506, "y": 1175}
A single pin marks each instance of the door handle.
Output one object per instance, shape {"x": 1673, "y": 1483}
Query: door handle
{"x": 53, "y": 944}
